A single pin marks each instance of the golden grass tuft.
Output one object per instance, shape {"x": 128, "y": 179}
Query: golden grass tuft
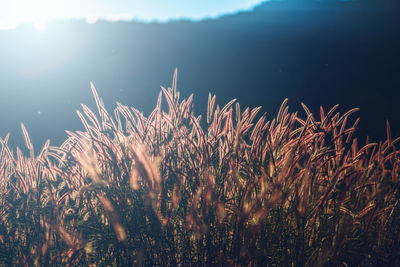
{"x": 162, "y": 190}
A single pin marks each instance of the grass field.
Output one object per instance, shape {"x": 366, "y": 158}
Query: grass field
{"x": 163, "y": 190}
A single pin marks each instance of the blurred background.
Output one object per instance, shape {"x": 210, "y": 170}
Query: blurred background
{"x": 322, "y": 52}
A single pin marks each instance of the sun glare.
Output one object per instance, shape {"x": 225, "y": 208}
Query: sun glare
{"x": 40, "y": 12}
{"x": 40, "y": 26}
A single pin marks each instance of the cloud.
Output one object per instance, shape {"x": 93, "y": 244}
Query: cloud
{"x": 16, "y": 12}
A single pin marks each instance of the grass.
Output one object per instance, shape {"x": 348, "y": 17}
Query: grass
{"x": 161, "y": 190}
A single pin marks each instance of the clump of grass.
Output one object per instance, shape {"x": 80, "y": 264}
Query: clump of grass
{"x": 161, "y": 190}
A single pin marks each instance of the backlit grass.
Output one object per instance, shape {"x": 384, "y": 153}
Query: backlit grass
{"x": 161, "y": 190}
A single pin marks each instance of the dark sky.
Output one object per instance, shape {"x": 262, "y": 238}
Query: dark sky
{"x": 317, "y": 52}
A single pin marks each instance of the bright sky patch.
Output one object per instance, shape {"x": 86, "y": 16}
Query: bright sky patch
{"x": 40, "y": 12}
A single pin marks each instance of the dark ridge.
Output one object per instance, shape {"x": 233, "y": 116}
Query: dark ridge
{"x": 316, "y": 52}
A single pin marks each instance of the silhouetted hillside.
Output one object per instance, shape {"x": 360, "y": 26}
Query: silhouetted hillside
{"x": 318, "y": 52}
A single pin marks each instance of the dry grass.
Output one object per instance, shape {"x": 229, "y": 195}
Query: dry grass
{"x": 161, "y": 190}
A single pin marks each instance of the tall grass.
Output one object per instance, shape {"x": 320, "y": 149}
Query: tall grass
{"x": 161, "y": 190}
